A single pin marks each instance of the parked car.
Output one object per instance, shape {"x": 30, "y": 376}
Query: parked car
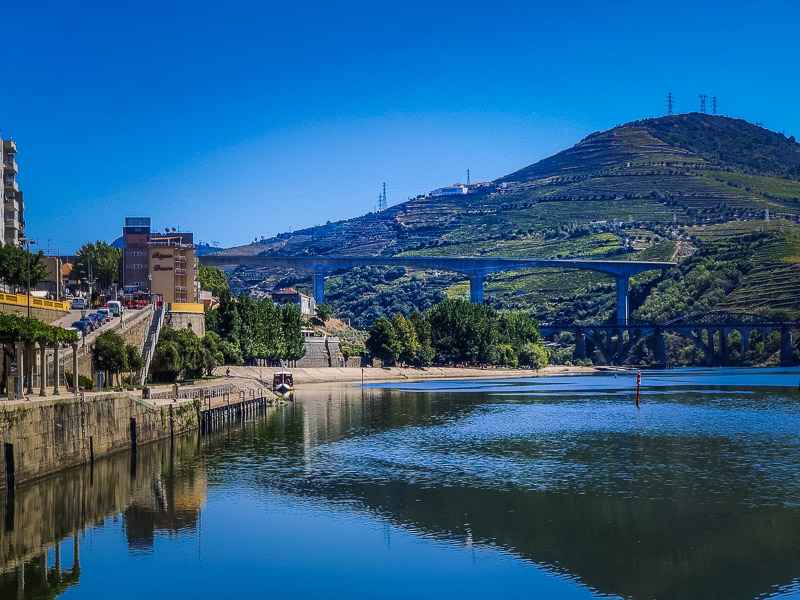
{"x": 93, "y": 320}
{"x": 115, "y": 306}
{"x": 83, "y": 326}
{"x": 101, "y": 318}
{"x": 107, "y": 314}
{"x": 76, "y": 330}
{"x": 78, "y": 303}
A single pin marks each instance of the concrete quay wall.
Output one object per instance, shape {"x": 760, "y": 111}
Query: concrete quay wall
{"x": 39, "y": 438}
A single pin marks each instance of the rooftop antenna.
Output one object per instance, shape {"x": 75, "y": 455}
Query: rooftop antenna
{"x": 703, "y": 103}
{"x": 714, "y": 105}
{"x": 670, "y": 102}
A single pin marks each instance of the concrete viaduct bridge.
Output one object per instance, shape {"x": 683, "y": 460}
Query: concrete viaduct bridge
{"x": 476, "y": 269}
{"x": 709, "y": 332}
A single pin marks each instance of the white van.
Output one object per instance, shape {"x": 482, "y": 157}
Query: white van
{"x": 78, "y": 303}
{"x": 114, "y": 307}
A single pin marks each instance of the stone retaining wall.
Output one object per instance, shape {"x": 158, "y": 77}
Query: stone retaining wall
{"x": 47, "y": 436}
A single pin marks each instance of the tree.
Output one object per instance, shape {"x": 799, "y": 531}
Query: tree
{"x": 104, "y": 261}
{"x": 422, "y": 327}
{"x": 324, "y": 311}
{"x": 533, "y": 355}
{"x": 214, "y": 355}
{"x": 110, "y": 353}
{"x": 462, "y": 331}
{"x": 292, "y": 332}
{"x": 382, "y": 341}
{"x": 179, "y": 351}
{"x": 14, "y": 266}
{"x": 518, "y": 328}
{"x": 406, "y": 338}
{"x": 135, "y": 360}
{"x": 213, "y": 279}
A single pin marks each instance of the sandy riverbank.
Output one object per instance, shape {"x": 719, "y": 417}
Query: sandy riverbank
{"x": 306, "y": 376}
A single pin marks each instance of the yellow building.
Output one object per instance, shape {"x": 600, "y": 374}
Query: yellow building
{"x": 173, "y": 269}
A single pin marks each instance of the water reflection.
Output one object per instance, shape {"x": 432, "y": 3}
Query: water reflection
{"x": 694, "y": 496}
{"x": 158, "y": 490}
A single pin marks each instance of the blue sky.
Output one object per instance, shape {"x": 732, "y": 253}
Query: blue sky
{"x": 242, "y": 119}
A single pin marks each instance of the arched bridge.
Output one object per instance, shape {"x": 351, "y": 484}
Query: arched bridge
{"x": 476, "y": 269}
{"x": 708, "y": 331}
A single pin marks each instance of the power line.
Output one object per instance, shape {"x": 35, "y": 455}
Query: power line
{"x": 703, "y": 103}
{"x": 670, "y": 102}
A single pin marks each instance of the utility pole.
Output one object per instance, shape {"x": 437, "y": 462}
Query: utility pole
{"x": 714, "y": 105}
{"x": 703, "y": 103}
{"x": 670, "y": 101}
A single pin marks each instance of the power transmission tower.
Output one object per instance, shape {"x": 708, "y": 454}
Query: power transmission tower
{"x": 670, "y": 102}
{"x": 382, "y": 199}
{"x": 703, "y": 103}
{"x": 714, "y": 105}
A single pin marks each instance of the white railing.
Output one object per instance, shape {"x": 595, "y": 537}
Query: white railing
{"x": 152, "y": 340}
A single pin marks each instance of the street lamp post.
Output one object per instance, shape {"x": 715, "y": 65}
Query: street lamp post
{"x": 150, "y": 286}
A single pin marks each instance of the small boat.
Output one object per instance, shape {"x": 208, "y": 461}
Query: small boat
{"x": 283, "y": 381}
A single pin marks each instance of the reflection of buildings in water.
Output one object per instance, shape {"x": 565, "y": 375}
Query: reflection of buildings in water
{"x": 37, "y": 578}
{"x": 171, "y": 510}
{"x": 166, "y": 480}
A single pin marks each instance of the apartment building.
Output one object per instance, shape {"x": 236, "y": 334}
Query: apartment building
{"x": 158, "y": 266}
{"x": 13, "y": 205}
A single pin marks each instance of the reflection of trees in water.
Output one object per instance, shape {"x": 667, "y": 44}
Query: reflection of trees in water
{"x": 159, "y": 489}
{"x": 683, "y": 545}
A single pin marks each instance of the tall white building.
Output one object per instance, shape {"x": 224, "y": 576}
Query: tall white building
{"x": 13, "y": 205}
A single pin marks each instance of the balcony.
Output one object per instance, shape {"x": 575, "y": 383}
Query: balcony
{"x": 9, "y": 147}
{"x": 9, "y": 201}
{"x": 180, "y": 259}
{"x": 11, "y": 222}
{"x": 9, "y": 164}
{"x": 10, "y": 184}
{"x": 180, "y": 289}
{"x": 180, "y": 271}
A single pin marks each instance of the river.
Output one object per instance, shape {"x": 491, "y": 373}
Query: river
{"x": 555, "y": 487}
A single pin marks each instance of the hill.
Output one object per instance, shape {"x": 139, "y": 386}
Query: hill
{"x": 692, "y": 187}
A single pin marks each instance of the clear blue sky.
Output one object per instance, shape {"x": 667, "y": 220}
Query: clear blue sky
{"x": 240, "y": 119}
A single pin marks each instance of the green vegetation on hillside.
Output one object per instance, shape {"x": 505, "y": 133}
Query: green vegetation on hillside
{"x": 694, "y": 188}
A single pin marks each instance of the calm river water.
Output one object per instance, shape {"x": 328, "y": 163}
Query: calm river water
{"x": 547, "y": 487}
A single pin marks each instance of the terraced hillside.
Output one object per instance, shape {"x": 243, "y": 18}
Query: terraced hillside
{"x": 693, "y": 187}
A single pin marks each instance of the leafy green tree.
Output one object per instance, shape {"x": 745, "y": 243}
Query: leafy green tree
{"x": 422, "y": 327}
{"x": 462, "y": 331}
{"x": 228, "y": 321}
{"x": 213, "y": 353}
{"x": 517, "y": 328}
{"x": 382, "y": 342}
{"x": 324, "y": 312}
{"x": 104, "y": 260}
{"x": 14, "y": 266}
{"x": 406, "y": 338}
{"x": 533, "y": 355}
{"x": 231, "y": 353}
{"x": 110, "y": 353}
{"x": 292, "y": 332}
{"x": 213, "y": 279}
{"x": 179, "y": 351}
{"x": 504, "y": 355}
{"x": 135, "y": 360}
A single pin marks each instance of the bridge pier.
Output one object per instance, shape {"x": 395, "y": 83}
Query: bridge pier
{"x": 787, "y": 354}
{"x": 745, "y": 341}
{"x": 661, "y": 347}
{"x": 724, "y": 357}
{"x": 476, "y": 287}
{"x": 580, "y": 345}
{"x": 318, "y": 284}
{"x": 623, "y": 285}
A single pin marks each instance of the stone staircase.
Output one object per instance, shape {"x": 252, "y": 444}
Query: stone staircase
{"x": 149, "y": 344}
